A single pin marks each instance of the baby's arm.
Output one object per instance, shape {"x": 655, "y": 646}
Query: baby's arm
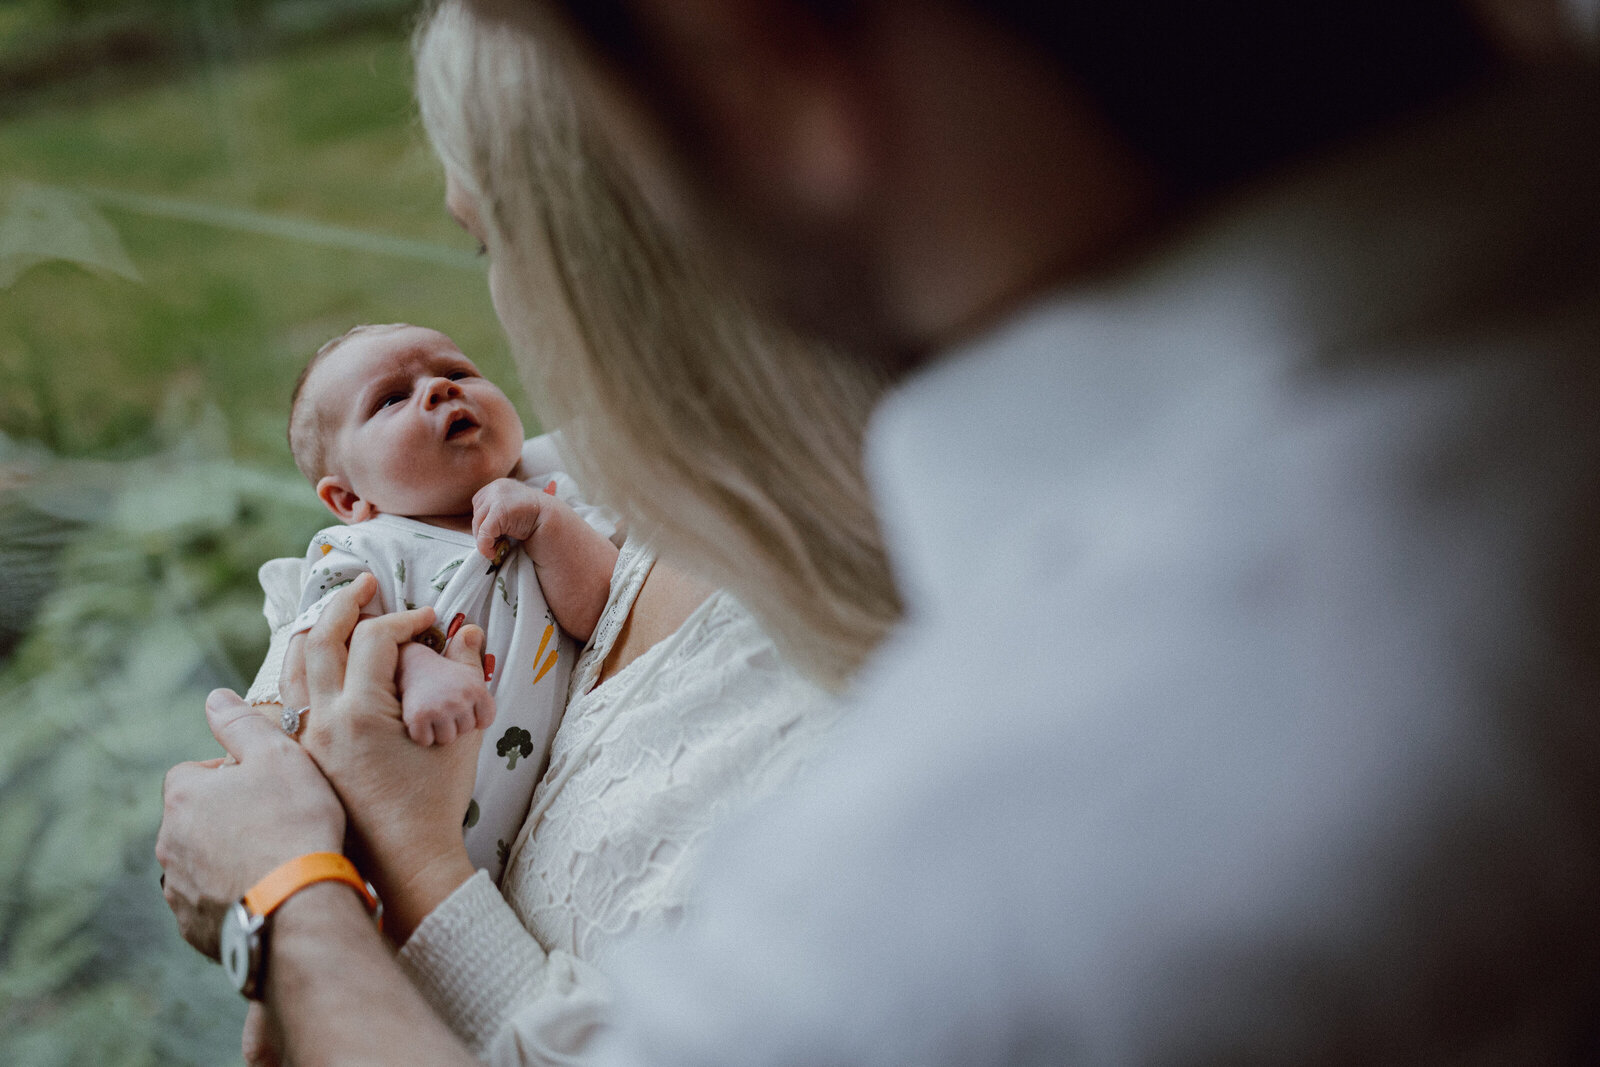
{"x": 572, "y": 560}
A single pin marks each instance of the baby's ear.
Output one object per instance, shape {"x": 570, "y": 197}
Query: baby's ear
{"x": 343, "y": 501}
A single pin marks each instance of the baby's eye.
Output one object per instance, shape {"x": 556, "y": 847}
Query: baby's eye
{"x": 457, "y": 375}
{"x": 392, "y": 398}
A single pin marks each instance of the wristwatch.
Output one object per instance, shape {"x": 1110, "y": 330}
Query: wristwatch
{"x": 244, "y": 925}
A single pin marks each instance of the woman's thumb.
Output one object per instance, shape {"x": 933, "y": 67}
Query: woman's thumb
{"x": 466, "y": 646}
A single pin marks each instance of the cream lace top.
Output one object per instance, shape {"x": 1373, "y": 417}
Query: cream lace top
{"x": 694, "y": 730}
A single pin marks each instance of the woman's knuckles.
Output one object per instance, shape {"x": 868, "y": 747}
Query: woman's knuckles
{"x": 177, "y": 789}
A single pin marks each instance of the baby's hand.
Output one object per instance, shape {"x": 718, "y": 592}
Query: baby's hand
{"x": 572, "y": 561}
{"x": 442, "y": 698}
{"x": 505, "y": 508}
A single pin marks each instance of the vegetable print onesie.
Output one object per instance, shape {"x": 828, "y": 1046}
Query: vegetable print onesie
{"x": 527, "y": 658}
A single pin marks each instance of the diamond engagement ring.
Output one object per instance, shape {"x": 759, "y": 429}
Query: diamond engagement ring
{"x": 293, "y": 719}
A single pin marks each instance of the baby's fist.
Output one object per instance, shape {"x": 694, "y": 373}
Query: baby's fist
{"x": 504, "y": 508}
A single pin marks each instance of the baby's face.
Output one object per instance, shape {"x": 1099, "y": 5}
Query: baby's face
{"x": 411, "y": 427}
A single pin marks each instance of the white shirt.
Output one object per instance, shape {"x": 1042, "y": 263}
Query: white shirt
{"x": 1245, "y": 706}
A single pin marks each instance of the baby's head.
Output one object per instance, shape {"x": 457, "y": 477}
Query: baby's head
{"x": 395, "y": 420}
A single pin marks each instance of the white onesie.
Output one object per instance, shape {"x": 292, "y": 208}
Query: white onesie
{"x": 527, "y": 658}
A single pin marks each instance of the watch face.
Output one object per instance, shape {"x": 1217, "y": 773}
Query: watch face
{"x": 240, "y": 947}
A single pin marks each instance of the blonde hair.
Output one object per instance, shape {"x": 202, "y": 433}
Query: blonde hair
{"x": 733, "y": 442}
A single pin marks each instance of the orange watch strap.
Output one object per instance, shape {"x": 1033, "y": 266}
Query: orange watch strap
{"x": 289, "y": 878}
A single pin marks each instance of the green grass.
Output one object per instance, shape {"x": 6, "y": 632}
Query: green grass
{"x": 144, "y": 477}
{"x": 324, "y": 136}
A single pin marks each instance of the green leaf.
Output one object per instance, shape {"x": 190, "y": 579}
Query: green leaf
{"x": 41, "y": 224}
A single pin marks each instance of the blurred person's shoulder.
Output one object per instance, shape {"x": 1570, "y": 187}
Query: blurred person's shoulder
{"x": 1248, "y": 600}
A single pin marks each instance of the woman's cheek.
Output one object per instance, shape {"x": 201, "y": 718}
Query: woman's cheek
{"x": 496, "y": 288}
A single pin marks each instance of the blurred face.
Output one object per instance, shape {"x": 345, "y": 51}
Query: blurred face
{"x": 730, "y": 145}
{"x": 890, "y": 177}
{"x": 411, "y": 427}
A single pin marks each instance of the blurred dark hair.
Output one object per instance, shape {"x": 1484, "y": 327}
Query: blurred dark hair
{"x": 1208, "y": 91}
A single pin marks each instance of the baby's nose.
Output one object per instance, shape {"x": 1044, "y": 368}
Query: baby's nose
{"x": 440, "y": 390}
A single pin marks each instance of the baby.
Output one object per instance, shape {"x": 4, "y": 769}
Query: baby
{"x": 421, "y": 458}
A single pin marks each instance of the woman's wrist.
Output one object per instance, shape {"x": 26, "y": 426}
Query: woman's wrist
{"x": 411, "y": 897}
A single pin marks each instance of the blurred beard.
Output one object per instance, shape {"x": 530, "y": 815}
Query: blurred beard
{"x": 819, "y": 280}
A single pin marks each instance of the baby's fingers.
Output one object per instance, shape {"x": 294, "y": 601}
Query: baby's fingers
{"x": 488, "y": 538}
{"x": 483, "y": 712}
{"x": 445, "y": 731}
{"x": 488, "y": 525}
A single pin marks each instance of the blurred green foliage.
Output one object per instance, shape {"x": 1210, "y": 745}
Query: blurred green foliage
{"x": 151, "y": 607}
{"x": 169, "y": 257}
{"x": 56, "y": 48}
{"x": 325, "y": 135}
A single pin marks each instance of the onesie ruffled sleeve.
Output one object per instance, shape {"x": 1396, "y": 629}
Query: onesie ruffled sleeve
{"x": 281, "y": 581}
{"x": 296, "y": 591}
{"x": 336, "y": 557}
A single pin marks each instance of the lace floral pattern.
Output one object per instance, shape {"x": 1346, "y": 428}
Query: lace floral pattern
{"x": 721, "y": 722}
{"x": 642, "y": 769}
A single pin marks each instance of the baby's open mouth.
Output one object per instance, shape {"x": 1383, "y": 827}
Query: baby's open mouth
{"x": 460, "y": 425}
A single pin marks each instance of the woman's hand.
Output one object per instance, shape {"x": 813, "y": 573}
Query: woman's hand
{"x": 292, "y": 682}
{"x": 405, "y": 801}
{"x": 225, "y": 825}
